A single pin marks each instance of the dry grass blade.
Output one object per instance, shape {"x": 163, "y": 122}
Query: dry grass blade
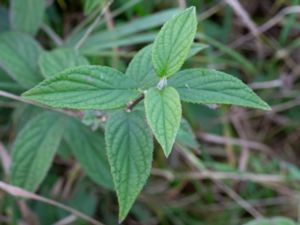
{"x": 19, "y": 192}
{"x": 5, "y": 159}
{"x": 235, "y": 141}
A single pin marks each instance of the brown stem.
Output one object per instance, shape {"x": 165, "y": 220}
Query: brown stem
{"x": 134, "y": 103}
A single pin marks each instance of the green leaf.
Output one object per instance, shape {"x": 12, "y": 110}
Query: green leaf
{"x": 163, "y": 112}
{"x": 90, "y": 5}
{"x": 89, "y": 149}
{"x": 123, "y": 34}
{"x": 3, "y": 19}
{"x": 196, "y": 48}
{"x": 172, "y": 44}
{"x": 7, "y": 83}
{"x": 129, "y": 149}
{"x": 27, "y": 15}
{"x": 141, "y": 70}
{"x": 85, "y": 87}
{"x": 273, "y": 221}
{"x": 212, "y": 87}
{"x": 186, "y": 136}
{"x": 18, "y": 58}
{"x": 60, "y": 59}
{"x": 34, "y": 150}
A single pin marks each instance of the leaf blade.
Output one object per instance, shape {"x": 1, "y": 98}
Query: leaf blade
{"x": 27, "y": 16}
{"x": 129, "y": 150}
{"x": 172, "y": 44}
{"x": 58, "y": 60}
{"x": 85, "y": 87}
{"x": 163, "y": 112}
{"x": 206, "y": 86}
{"x": 34, "y": 150}
{"x": 89, "y": 149}
{"x": 18, "y": 57}
{"x": 141, "y": 70}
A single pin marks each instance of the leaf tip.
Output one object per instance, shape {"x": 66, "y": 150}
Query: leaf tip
{"x": 266, "y": 107}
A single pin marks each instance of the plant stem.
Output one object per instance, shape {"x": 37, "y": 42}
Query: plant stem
{"x": 134, "y": 103}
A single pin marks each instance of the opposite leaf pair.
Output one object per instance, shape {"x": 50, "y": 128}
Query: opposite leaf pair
{"x": 129, "y": 142}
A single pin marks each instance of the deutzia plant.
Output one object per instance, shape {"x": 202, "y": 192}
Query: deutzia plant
{"x": 142, "y": 103}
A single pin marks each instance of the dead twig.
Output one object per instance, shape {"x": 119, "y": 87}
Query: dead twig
{"x": 235, "y": 141}
{"x": 93, "y": 25}
{"x": 19, "y": 192}
{"x": 5, "y": 158}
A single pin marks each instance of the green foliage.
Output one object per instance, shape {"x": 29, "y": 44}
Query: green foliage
{"x": 90, "y": 5}
{"x": 163, "y": 111}
{"x": 58, "y": 60}
{"x": 140, "y": 70}
{"x": 118, "y": 155}
{"x": 27, "y": 16}
{"x": 129, "y": 149}
{"x": 89, "y": 149}
{"x": 19, "y": 54}
{"x": 213, "y": 87}
{"x": 85, "y": 87}
{"x": 34, "y": 150}
{"x": 172, "y": 44}
{"x": 185, "y": 135}
{"x": 273, "y": 221}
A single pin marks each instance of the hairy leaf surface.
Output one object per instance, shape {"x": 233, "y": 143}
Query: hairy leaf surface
{"x": 27, "y": 15}
{"x": 85, "y": 87}
{"x": 141, "y": 70}
{"x": 18, "y": 58}
{"x": 60, "y": 59}
{"x": 129, "y": 149}
{"x": 173, "y": 43}
{"x": 163, "y": 112}
{"x": 89, "y": 149}
{"x": 34, "y": 150}
{"x": 213, "y": 87}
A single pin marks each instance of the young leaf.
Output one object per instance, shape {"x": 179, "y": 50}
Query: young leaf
{"x": 212, "y": 87}
{"x": 141, "y": 70}
{"x": 173, "y": 42}
{"x": 163, "y": 112}
{"x": 34, "y": 150}
{"x": 89, "y": 149}
{"x": 85, "y": 87}
{"x": 27, "y": 16}
{"x": 60, "y": 59}
{"x": 18, "y": 58}
{"x": 129, "y": 149}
